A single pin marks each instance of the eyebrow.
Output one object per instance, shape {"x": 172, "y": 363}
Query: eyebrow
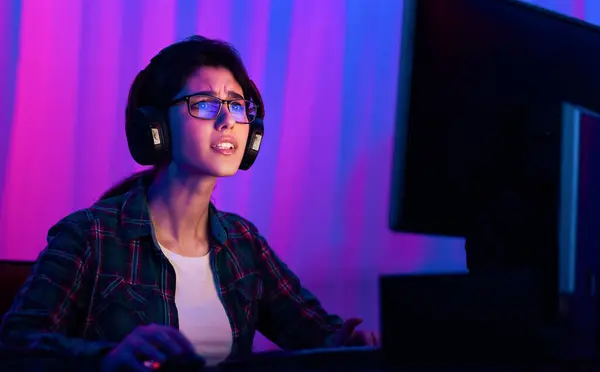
{"x": 230, "y": 94}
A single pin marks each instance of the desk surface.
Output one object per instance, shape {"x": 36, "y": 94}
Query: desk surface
{"x": 347, "y": 359}
{"x": 372, "y": 360}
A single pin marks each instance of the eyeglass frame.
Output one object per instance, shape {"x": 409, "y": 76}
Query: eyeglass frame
{"x": 227, "y": 102}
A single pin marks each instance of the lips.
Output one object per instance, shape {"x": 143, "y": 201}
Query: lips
{"x": 225, "y": 145}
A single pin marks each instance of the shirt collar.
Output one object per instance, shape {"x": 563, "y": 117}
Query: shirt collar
{"x": 135, "y": 216}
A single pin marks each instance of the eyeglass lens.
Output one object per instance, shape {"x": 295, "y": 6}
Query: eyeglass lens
{"x": 207, "y": 107}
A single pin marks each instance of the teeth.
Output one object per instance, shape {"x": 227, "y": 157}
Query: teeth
{"x": 224, "y": 145}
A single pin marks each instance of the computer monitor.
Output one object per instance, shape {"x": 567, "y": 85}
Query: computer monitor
{"x": 478, "y": 134}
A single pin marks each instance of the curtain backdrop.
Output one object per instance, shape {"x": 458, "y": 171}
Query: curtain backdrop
{"x": 319, "y": 190}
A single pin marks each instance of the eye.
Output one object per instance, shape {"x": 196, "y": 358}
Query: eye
{"x": 237, "y": 106}
{"x": 203, "y": 101}
{"x": 204, "y": 107}
{"x": 202, "y": 104}
{"x": 206, "y": 103}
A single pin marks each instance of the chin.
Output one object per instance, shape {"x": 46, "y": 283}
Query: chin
{"x": 223, "y": 170}
{"x": 213, "y": 170}
{"x": 225, "y": 173}
{"x": 223, "y": 166}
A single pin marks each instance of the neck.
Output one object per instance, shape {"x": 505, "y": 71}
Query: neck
{"x": 178, "y": 203}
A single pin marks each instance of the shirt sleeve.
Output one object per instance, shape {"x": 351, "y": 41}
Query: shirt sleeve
{"x": 52, "y": 304}
{"x": 289, "y": 315}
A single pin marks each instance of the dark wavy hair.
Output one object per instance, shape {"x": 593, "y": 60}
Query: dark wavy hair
{"x": 167, "y": 74}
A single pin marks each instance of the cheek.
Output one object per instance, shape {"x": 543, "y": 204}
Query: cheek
{"x": 180, "y": 132}
{"x": 195, "y": 136}
{"x": 243, "y": 136}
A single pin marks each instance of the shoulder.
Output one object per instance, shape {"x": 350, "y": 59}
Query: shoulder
{"x": 243, "y": 237}
{"x": 110, "y": 211}
{"x": 76, "y": 223}
{"x": 237, "y": 226}
{"x": 85, "y": 221}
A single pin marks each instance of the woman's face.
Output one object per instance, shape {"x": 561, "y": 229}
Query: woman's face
{"x": 208, "y": 147}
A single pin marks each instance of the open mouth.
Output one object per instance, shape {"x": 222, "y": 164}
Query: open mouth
{"x": 224, "y": 146}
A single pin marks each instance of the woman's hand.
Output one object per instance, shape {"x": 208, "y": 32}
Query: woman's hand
{"x": 146, "y": 348}
{"x": 349, "y": 336}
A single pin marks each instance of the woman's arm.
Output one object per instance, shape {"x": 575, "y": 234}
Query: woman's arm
{"x": 289, "y": 314}
{"x": 54, "y": 294}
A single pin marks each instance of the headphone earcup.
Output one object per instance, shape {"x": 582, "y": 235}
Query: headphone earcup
{"x": 148, "y": 136}
{"x": 255, "y": 137}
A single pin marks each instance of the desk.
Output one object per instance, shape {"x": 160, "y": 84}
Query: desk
{"x": 348, "y": 359}
{"x": 371, "y": 360}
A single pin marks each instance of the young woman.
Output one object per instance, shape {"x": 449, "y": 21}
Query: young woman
{"x": 153, "y": 270}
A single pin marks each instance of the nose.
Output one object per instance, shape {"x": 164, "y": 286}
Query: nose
{"x": 225, "y": 120}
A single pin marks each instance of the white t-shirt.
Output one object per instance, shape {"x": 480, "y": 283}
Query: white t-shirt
{"x": 202, "y": 317}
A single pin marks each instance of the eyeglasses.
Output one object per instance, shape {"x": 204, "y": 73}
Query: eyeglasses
{"x": 207, "y": 107}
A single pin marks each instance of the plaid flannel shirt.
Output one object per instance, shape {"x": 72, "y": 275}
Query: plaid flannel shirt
{"x": 101, "y": 276}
